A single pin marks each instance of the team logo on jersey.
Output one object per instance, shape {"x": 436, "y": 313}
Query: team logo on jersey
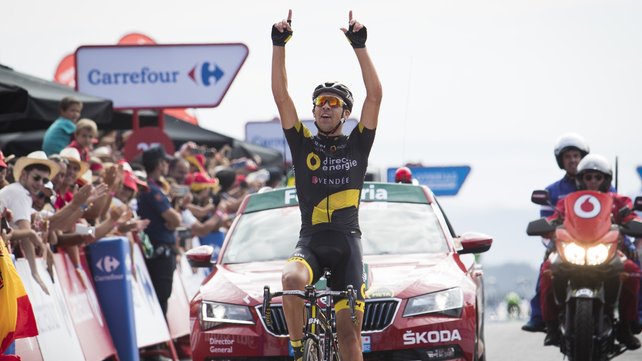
{"x": 313, "y": 161}
{"x": 587, "y": 206}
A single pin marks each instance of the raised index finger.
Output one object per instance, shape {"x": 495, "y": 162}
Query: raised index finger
{"x": 350, "y": 17}
{"x": 289, "y": 16}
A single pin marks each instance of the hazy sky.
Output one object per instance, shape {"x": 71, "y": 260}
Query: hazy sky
{"x": 490, "y": 84}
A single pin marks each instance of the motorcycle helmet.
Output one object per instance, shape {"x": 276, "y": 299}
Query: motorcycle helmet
{"x": 336, "y": 88}
{"x": 594, "y": 163}
{"x": 570, "y": 141}
{"x": 403, "y": 175}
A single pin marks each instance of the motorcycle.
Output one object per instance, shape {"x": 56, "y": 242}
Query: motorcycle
{"x": 587, "y": 271}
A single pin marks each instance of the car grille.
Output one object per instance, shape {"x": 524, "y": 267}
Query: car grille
{"x": 377, "y": 316}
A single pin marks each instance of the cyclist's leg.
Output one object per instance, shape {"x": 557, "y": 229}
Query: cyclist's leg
{"x": 298, "y": 272}
{"x": 350, "y": 272}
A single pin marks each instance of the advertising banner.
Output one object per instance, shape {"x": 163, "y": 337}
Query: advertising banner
{"x": 443, "y": 181}
{"x": 159, "y": 76}
{"x": 55, "y": 324}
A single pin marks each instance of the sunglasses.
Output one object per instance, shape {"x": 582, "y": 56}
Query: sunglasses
{"x": 590, "y": 177}
{"x": 333, "y": 102}
{"x": 38, "y": 178}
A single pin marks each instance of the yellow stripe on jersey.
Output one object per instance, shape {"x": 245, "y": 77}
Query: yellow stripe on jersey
{"x": 340, "y": 200}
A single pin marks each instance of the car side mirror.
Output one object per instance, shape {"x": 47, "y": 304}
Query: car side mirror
{"x": 540, "y": 197}
{"x": 632, "y": 228}
{"x": 201, "y": 257}
{"x": 637, "y": 204}
{"x": 474, "y": 242}
{"x": 540, "y": 227}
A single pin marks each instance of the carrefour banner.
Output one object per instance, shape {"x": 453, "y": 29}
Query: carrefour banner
{"x": 159, "y": 76}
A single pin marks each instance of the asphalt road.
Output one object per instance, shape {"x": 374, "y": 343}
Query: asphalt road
{"x": 505, "y": 341}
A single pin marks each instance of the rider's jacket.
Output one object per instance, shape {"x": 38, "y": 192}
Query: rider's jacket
{"x": 329, "y": 174}
{"x": 556, "y": 192}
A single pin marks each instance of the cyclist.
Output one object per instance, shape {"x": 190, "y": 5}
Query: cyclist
{"x": 569, "y": 150}
{"x": 594, "y": 174}
{"x": 329, "y": 174}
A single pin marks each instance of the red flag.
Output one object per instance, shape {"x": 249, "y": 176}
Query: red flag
{"x": 16, "y": 319}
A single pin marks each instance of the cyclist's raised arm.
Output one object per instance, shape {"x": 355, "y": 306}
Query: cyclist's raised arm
{"x": 281, "y": 33}
{"x": 357, "y": 35}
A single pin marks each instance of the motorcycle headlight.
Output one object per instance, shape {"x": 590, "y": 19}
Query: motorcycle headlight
{"x": 597, "y": 254}
{"x": 574, "y": 253}
{"x": 215, "y": 313}
{"x": 448, "y": 302}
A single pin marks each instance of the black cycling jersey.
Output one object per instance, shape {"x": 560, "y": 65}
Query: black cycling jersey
{"x": 329, "y": 174}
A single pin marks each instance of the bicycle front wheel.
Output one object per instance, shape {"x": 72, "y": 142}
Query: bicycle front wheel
{"x": 312, "y": 351}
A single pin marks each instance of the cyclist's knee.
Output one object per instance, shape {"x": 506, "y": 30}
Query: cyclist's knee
{"x": 293, "y": 280}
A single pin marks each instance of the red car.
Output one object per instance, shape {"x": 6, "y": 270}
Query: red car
{"x": 424, "y": 301}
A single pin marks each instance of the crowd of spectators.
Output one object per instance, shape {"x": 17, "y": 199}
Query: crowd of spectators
{"x": 83, "y": 190}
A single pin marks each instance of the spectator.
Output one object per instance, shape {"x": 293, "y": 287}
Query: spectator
{"x": 32, "y": 173}
{"x": 156, "y": 207}
{"x": 178, "y": 170}
{"x": 75, "y": 168}
{"x": 58, "y": 135}
{"x": 3, "y": 171}
{"x": 86, "y": 133}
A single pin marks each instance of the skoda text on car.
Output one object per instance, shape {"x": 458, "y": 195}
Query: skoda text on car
{"x": 424, "y": 299}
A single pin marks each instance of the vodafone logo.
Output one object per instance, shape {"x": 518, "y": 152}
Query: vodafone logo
{"x": 587, "y": 206}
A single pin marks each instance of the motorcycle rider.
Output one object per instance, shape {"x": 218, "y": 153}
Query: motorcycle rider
{"x": 594, "y": 173}
{"x": 570, "y": 148}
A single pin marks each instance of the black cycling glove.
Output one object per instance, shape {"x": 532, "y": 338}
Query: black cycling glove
{"x": 280, "y": 38}
{"x": 357, "y": 39}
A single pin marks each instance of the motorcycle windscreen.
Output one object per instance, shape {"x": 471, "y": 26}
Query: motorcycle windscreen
{"x": 588, "y": 215}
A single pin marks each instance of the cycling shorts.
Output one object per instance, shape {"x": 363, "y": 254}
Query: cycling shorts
{"x": 342, "y": 254}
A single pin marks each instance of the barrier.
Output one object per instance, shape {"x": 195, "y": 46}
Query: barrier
{"x": 85, "y": 311}
{"x": 151, "y": 327}
{"x": 111, "y": 270}
{"x": 55, "y": 325}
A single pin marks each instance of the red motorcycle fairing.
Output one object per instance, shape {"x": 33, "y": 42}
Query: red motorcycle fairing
{"x": 587, "y": 215}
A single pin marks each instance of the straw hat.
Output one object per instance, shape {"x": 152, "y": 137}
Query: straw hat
{"x": 37, "y": 157}
{"x": 72, "y": 155}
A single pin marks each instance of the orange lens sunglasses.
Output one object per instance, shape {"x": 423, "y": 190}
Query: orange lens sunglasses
{"x": 333, "y": 102}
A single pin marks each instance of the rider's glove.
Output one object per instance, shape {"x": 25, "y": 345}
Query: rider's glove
{"x": 280, "y": 38}
{"x": 357, "y": 39}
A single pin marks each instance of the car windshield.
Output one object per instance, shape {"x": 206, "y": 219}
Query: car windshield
{"x": 388, "y": 228}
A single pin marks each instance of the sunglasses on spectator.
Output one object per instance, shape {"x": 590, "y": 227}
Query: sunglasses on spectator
{"x": 333, "y": 102}
{"x": 590, "y": 177}
{"x": 38, "y": 178}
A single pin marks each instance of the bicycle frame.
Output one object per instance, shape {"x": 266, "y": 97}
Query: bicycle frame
{"x": 320, "y": 323}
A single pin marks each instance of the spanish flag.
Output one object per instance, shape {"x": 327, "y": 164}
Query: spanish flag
{"x": 16, "y": 315}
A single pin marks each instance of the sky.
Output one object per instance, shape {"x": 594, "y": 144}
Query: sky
{"x": 491, "y": 84}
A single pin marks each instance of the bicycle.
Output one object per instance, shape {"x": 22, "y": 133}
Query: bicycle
{"x": 319, "y": 339}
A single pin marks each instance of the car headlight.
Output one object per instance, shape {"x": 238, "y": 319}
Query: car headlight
{"x": 592, "y": 256}
{"x": 215, "y": 313}
{"x": 448, "y": 302}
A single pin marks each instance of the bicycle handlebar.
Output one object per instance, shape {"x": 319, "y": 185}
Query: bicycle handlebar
{"x": 308, "y": 294}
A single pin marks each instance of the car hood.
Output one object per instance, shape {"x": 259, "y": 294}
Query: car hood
{"x": 399, "y": 276}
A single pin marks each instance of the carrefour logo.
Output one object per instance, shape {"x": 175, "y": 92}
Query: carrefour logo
{"x": 204, "y": 73}
{"x": 107, "y": 264}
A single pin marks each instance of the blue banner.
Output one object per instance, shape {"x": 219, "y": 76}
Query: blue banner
{"x": 443, "y": 181}
{"x": 111, "y": 269}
